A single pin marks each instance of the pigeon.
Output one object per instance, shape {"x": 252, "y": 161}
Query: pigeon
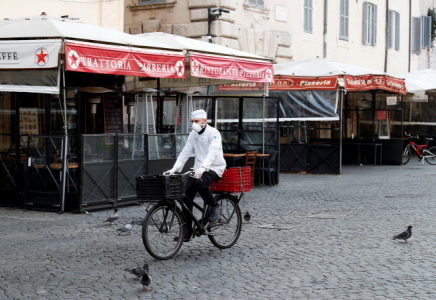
{"x": 247, "y": 217}
{"x": 146, "y": 279}
{"x": 138, "y": 271}
{"x": 404, "y": 235}
{"x": 112, "y": 218}
{"x": 127, "y": 228}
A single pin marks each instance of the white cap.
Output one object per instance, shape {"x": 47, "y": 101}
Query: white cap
{"x": 198, "y": 114}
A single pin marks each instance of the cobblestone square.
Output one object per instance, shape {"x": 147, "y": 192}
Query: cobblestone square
{"x": 339, "y": 246}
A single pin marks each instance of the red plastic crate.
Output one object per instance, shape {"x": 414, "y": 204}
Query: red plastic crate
{"x": 231, "y": 181}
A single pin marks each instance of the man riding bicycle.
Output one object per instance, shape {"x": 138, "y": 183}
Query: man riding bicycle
{"x": 205, "y": 142}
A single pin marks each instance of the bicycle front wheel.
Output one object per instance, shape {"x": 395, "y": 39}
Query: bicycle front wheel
{"x": 163, "y": 230}
{"x": 224, "y": 233}
{"x": 430, "y": 155}
{"x": 406, "y": 155}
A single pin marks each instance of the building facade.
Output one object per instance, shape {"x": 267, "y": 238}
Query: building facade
{"x": 108, "y": 14}
{"x": 391, "y": 36}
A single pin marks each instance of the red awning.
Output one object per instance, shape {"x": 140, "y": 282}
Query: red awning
{"x": 287, "y": 83}
{"x": 218, "y": 67}
{"x": 92, "y": 58}
{"x": 371, "y": 82}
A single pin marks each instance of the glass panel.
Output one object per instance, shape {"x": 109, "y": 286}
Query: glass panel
{"x": 169, "y": 115}
{"x": 181, "y": 142}
{"x": 8, "y": 163}
{"x": 44, "y": 80}
{"x": 130, "y": 165}
{"x": 255, "y": 132}
{"x": 97, "y": 148}
{"x": 161, "y": 146}
{"x": 98, "y": 168}
{"x": 228, "y": 123}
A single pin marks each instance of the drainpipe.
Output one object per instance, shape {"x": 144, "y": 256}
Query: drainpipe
{"x": 410, "y": 32}
{"x": 325, "y": 30}
{"x": 386, "y": 34}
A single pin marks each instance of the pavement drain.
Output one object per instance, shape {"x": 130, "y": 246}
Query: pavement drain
{"x": 326, "y": 216}
{"x": 279, "y": 226}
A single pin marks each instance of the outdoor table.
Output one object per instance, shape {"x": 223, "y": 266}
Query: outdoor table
{"x": 234, "y": 157}
{"x": 58, "y": 166}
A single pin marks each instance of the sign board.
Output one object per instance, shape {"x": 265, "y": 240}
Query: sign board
{"x": 391, "y": 100}
{"x": 371, "y": 82}
{"x": 381, "y": 115}
{"x": 29, "y": 54}
{"x": 113, "y": 60}
{"x": 281, "y": 13}
{"x": 218, "y": 67}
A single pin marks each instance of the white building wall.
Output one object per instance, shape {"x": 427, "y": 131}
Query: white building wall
{"x": 277, "y": 30}
{"x": 108, "y": 14}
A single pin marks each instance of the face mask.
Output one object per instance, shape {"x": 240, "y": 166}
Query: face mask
{"x": 196, "y": 127}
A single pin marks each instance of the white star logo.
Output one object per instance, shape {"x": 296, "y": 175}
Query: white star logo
{"x": 194, "y": 67}
{"x": 180, "y": 68}
{"x": 268, "y": 74}
{"x": 73, "y": 59}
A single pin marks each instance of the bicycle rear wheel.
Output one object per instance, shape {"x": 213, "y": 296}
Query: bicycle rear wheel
{"x": 225, "y": 232}
{"x": 430, "y": 155}
{"x": 406, "y": 155}
{"x": 162, "y": 224}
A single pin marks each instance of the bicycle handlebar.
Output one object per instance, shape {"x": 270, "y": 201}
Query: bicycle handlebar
{"x": 411, "y": 136}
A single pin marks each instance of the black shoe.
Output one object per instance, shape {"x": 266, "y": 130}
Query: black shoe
{"x": 187, "y": 237}
{"x": 215, "y": 213}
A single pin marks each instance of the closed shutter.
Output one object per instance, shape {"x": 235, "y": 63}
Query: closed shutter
{"x": 426, "y": 31}
{"x": 374, "y": 25}
{"x": 390, "y": 29}
{"x": 343, "y": 21}
{"x": 416, "y": 40}
{"x": 365, "y": 23}
{"x": 397, "y": 31}
{"x": 308, "y": 16}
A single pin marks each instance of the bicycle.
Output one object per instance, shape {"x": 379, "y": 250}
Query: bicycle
{"x": 428, "y": 154}
{"x": 164, "y": 227}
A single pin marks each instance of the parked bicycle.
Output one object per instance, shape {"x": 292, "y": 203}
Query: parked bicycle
{"x": 428, "y": 154}
{"x": 164, "y": 226}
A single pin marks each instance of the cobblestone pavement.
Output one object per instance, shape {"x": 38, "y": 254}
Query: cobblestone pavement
{"x": 341, "y": 246}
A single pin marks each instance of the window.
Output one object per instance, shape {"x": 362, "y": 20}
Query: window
{"x": 416, "y": 40}
{"x": 257, "y": 3}
{"x": 145, "y": 2}
{"x": 343, "y": 21}
{"x": 393, "y": 38}
{"x": 426, "y": 31}
{"x": 369, "y": 23}
{"x": 308, "y": 16}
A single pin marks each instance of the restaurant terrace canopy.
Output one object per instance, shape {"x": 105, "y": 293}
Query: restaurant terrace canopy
{"x": 94, "y": 49}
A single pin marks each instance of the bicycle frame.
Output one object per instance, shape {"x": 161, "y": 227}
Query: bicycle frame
{"x": 417, "y": 148}
{"x": 201, "y": 226}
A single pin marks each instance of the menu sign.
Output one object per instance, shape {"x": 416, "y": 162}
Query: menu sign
{"x": 28, "y": 122}
{"x": 113, "y": 115}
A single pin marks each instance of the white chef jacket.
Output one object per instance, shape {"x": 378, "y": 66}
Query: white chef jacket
{"x": 208, "y": 151}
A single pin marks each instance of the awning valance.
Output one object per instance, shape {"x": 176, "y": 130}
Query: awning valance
{"x": 29, "y": 54}
{"x": 371, "y": 82}
{"x": 221, "y": 67}
{"x": 93, "y": 58}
